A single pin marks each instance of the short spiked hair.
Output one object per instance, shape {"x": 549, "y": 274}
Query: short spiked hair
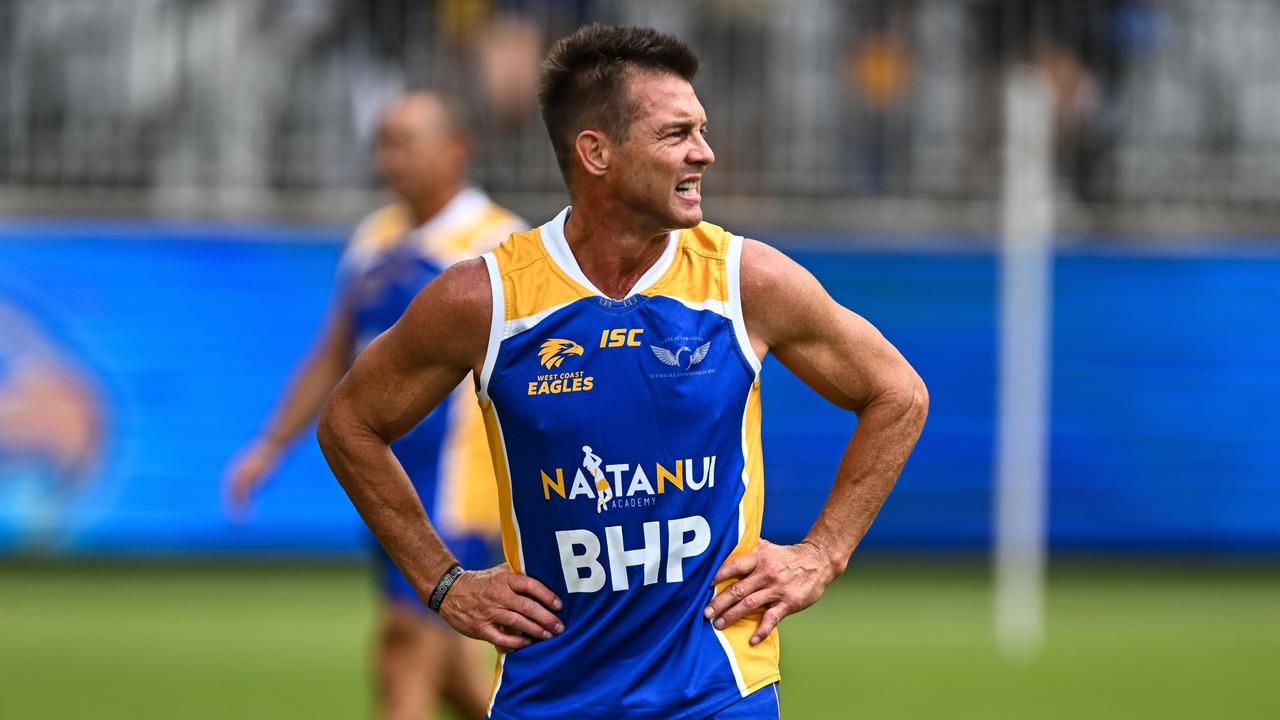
{"x": 583, "y": 81}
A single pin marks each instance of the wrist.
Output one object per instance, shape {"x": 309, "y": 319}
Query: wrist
{"x": 835, "y": 562}
{"x": 442, "y": 588}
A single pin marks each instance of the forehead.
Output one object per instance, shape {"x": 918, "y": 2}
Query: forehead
{"x": 660, "y": 98}
{"x": 414, "y": 114}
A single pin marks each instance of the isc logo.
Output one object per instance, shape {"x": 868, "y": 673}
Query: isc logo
{"x": 619, "y": 337}
{"x": 580, "y": 553}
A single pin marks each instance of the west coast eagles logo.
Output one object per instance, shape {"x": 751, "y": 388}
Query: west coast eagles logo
{"x": 696, "y": 355}
{"x": 553, "y": 352}
{"x": 551, "y": 356}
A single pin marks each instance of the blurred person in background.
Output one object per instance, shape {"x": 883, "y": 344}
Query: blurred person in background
{"x": 1083, "y": 50}
{"x": 625, "y": 338}
{"x": 423, "y": 154}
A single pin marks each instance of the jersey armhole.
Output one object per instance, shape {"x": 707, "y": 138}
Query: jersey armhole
{"x": 497, "y": 325}
{"x": 733, "y": 269}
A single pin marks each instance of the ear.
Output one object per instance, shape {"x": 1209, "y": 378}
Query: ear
{"x": 592, "y": 149}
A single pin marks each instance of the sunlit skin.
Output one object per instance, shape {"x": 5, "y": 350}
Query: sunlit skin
{"x": 628, "y": 186}
{"x": 625, "y": 198}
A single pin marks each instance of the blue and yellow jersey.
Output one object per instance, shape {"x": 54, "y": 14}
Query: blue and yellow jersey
{"x": 626, "y": 442}
{"x": 386, "y": 263}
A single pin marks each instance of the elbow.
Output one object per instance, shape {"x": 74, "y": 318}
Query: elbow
{"x": 909, "y": 399}
{"x": 918, "y": 405}
{"x": 327, "y": 434}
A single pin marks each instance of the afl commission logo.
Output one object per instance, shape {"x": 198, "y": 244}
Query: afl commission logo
{"x": 682, "y": 354}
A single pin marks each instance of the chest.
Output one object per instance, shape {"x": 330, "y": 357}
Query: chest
{"x": 654, "y": 365}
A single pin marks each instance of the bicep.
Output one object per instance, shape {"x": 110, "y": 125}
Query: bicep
{"x": 391, "y": 387}
{"x": 412, "y": 367}
{"x": 845, "y": 359}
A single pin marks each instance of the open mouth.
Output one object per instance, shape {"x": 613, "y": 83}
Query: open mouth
{"x": 689, "y": 189}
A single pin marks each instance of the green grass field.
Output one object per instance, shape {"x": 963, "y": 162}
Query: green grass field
{"x": 886, "y": 642}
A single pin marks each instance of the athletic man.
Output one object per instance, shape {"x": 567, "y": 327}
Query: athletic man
{"x": 622, "y": 341}
{"x": 423, "y": 154}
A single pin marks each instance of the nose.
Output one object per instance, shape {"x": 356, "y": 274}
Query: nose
{"x": 701, "y": 154}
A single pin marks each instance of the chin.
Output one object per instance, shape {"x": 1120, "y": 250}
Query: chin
{"x": 687, "y": 217}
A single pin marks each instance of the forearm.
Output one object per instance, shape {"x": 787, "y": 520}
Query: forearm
{"x": 887, "y": 431}
{"x": 313, "y": 380}
{"x": 384, "y": 496}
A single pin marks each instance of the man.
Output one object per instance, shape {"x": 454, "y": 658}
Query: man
{"x": 623, "y": 341}
{"x": 423, "y": 154}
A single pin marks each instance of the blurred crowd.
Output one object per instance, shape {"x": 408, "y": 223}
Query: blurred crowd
{"x": 1151, "y": 99}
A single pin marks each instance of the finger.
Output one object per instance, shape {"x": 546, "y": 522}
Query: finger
{"x": 515, "y": 621}
{"x": 503, "y": 640}
{"x": 733, "y": 595}
{"x": 526, "y": 585}
{"x": 740, "y": 566}
{"x": 768, "y": 622}
{"x": 537, "y": 615}
{"x": 749, "y": 604}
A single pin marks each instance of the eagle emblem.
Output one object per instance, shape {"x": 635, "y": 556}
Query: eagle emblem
{"x": 696, "y": 355}
{"x": 553, "y": 352}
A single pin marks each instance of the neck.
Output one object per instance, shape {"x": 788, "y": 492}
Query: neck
{"x": 612, "y": 250}
{"x": 429, "y": 203}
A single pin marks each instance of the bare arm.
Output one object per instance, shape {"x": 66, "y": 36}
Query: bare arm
{"x": 395, "y": 382}
{"x": 847, "y": 361}
{"x": 312, "y": 382}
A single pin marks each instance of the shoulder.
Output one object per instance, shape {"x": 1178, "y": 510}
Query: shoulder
{"x": 780, "y": 298}
{"x": 450, "y": 317}
{"x": 766, "y": 271}
{"x": 462, "y": 288}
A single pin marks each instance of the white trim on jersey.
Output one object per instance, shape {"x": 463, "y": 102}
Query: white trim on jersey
{"x": 719, "y": 307}
{"x": 733, "y": 268}
{"x": 733, "y": 661}
{"x": 497, "y": 323}
{"x": 557, "y": 248}
{"x": 519, "y": 325}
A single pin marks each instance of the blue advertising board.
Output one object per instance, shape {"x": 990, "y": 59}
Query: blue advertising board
{"x": 135, "y": 358}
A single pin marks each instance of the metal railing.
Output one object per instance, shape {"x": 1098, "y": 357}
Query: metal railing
{"x": 190, "y": 103}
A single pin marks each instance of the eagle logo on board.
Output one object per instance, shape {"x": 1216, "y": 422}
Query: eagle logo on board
{"x": 553, "y": 352}
{"x": 696, "y": 355}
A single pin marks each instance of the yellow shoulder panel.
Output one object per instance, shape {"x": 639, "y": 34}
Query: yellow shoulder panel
{"x": 531, "y": 280}
{"x": 708, "y": 240}
{"x": 482, "y": 234}
{"x": 384, "y": 227}
{"x": 697, "y": 273}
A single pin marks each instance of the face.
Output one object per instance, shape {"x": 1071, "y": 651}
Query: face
{"x": 417, "y": 153}
{"x": 661, "y": 160}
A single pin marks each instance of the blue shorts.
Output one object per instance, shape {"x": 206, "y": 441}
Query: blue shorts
{"x": 763, "y": 704}
{"x": 473, "y": 552}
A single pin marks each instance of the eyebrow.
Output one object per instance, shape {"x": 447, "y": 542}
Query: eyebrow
{"x": 677, "y": 124}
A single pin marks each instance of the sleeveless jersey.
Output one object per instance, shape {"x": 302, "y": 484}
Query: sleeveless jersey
{"x": 626, "y": 443}
{"x": 385, "y": 265}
